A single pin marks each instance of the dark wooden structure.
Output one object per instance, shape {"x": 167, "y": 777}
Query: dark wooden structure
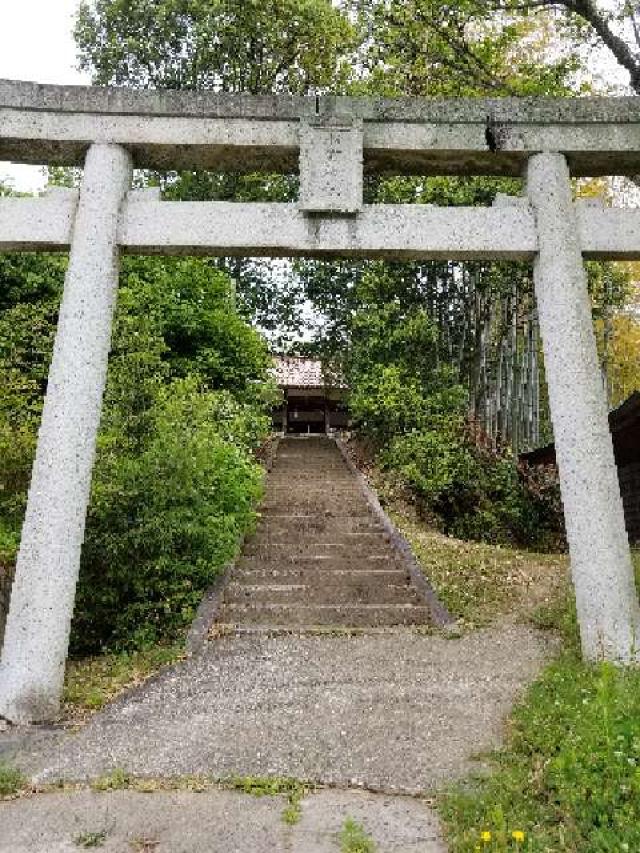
{"x": 624, "y": 423}
{"x": 314, "y": 401}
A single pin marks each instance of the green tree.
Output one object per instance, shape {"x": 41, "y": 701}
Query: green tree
{"x": 186, "y": 405}
{"x": 422, "y": 47}
{"x": 254, "y": 46}
{"x": 279, "y": 46}
{"x": 614, "y": 24}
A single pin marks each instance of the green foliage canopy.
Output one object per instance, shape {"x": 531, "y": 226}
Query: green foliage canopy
{"x": 186, "y": 406}
{"x": 255, "y": 46}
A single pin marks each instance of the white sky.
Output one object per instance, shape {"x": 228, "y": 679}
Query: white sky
{"x": 37, "y": 44}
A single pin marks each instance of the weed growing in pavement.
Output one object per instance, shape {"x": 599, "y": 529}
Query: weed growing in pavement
{"x": 271, "y": 786}
{"x": 354, "y": 839}
{"x": 11, "y": 780}
{"x": 90, "y": 839}
{"x": 117, "y": 780}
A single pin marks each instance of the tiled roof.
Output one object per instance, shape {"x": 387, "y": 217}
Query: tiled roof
{"x": 298, "y": 372}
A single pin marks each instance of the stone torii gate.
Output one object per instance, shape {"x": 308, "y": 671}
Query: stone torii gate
{"x": 332, "y": 141}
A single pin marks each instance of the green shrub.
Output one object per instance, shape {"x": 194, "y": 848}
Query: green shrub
{"x": 175, "y": 482}
{"x": 569, "y": 774}
{"x": 569, "y": 777}
{"x": 413, "y": 409}
{"x": 475, "y": 492}
{"x": 26, "y": 340}
{"x": 11, "y": 780}
{"x": 165, "y": 518}
{"x": 9, "y": 541}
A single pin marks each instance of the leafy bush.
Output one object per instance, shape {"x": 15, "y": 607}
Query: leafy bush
{"x": 11, "y": 780}
{"x": 27, "y": 329}
{"x": 414, "y": 410}
{"x": 186, "y": 406}
{"x": 475, "y": 492}
{"x": 162, "y": 522}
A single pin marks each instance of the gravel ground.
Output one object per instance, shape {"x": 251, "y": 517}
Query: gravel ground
{"x": 398, "y": 712}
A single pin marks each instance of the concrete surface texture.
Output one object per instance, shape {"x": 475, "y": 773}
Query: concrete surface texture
{"x": 151, "y": 226}
{"x": 46, "y": 222}
{"x": 391, "y": 231}
{"x": 216, "y": 821}
{"x": 331, "y": 167}
{"x": 602, "y": 570}
{"x": 406, "y": 135}
{"x": 42, "y": 598}
{"x": 397, "y": 712}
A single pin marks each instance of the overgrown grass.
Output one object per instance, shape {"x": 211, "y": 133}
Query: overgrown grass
{"x": 568, "y": 778}
{"x": 92, "y": 682}
{"x": 477, "y": 582}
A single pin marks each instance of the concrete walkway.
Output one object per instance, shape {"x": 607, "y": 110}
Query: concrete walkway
{"x": 213, "y": 822}
{"x": 399, "y": 712}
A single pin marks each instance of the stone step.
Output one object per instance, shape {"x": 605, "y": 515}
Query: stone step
{"x": 332, "y": 495}
{"x": 319, "y": 475}
{"x": 366, "y": 542}
{"x": 333, "y": 463}
{"x": 323, "y": 578}
{"x": 283, "y": 526}
{"x": 313, "y": 485}
{"x": 354, "y": 616}
{"x": 330, "y": 463}
{"x": 327, "y": 507}
{"x": 309, "y": 481}
{"x": 326, "y": 467}
{"x": 328, "y": 562}
{"x": 305, "y": 549}
{"x": 330, "y": 506}
{"x": 350, "y": 593}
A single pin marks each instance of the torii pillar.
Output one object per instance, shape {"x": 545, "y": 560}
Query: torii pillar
{"x": 42, "y": 598}
{"x": 606, "y": 598}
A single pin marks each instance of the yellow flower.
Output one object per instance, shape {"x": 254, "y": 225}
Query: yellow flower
{"x": 517, "y": 835}
{"x": 485, "y": 836}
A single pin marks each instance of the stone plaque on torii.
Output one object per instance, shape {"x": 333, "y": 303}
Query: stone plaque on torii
{"x": 333, "y": 142}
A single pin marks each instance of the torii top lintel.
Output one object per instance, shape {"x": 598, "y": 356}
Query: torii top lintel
{"x": 228, "y": 132}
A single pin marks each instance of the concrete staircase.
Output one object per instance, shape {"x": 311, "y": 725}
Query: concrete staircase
{"x": 320, "y": 557}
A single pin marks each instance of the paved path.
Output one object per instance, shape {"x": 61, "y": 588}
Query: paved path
{"x": 213, "y": 822}
{"x": 396, "y": 713}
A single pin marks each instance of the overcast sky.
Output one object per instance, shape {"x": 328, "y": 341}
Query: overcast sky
{"x": 36, "y": 45}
